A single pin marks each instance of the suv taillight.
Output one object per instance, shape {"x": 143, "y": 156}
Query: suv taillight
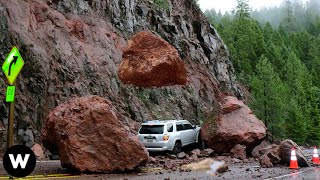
{"x": 165, "y": 137}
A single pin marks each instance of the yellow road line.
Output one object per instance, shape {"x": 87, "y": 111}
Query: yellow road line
{"x": 53, "y": 177}
{"x": 49, "y": 176}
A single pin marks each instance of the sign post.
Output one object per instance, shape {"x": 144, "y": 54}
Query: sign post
{"x": 11, "y": 68}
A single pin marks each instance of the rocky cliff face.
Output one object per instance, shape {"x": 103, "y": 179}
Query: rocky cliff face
{"x": 73, "y": 49}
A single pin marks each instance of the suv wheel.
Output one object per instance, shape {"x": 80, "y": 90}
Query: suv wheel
{"x": 177, "y": 148}
{"x": 200, "y": 143}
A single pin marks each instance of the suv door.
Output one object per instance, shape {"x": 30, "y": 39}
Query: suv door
{"x": 181, "y": 133}
{"x": 190, "y": 133}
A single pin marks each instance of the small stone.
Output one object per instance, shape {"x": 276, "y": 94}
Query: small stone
{"x": 181, "y": 155}
{"x": 171, "y": 156}
{"x": 239, "y": 151}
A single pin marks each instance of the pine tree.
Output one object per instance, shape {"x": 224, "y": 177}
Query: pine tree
{"x": 289, "y": 21}
{"x": 268, "y": 91}
{"x": 313, "y": 133}
{"x": 296, "y": 125}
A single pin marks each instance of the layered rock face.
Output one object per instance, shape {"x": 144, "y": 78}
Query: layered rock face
{"x": 233, "y": 123}
{"x": 149, "y": 61}
{"x": 90, "y": 136}
{"x": 74, "y": 48}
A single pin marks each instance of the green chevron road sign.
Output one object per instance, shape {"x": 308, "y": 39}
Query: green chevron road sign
{"x": 13, "y": 65}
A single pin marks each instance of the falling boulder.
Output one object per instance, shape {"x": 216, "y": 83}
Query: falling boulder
{"x": 90, "y": 136}
{"x": 150, "y": 61}
{"x": 234, "y": 123}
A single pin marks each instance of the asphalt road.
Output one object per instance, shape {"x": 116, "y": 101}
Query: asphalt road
{"x": 53, "y": 170}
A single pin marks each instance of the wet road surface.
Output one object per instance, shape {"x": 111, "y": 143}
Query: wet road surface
{"x": 53, "y": 170}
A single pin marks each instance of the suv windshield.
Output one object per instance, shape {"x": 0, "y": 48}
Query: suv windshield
{"x": 151, "y": 129}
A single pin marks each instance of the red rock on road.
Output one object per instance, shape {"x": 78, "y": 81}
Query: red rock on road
{"x": 150, "y": 61}
{"x": 90, "y": 136}
{"x": 234, "y": 123}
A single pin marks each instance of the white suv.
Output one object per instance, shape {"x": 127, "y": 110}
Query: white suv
{"x": 169, "y": 135}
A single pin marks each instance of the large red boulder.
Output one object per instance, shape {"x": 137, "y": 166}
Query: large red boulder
{"x": 233, "y": 123}
{"x": 150, "y": 61}
{"x": 90, "y": 136}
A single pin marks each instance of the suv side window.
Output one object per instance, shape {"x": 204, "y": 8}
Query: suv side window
{"x": 170, "y": 127}
{"x": 188, "y": 126}
{"x": 180, "y": 127}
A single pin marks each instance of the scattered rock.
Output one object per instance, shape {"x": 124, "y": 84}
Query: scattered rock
{"x": 90, "y": 136}
{"x": 181, "y": 155}
{"x": 151, "y": 61}
{"x": 260, "y": 149}
{"x": 152, "y": 160}
{"x": 196, "y": 152}
{"x": 171, "y": 156}
{"x": 280, "y": 154}
{"x": 270, "y": 157}
{"x": 265, "y": 162}
{"x": 207, "y": 151}
{"x": 193, "y": 157}
{"x": 38, "y": 151}
{"x": 234, "y": 123}
{"x": 236, "y": 160}
{"x": 239, "y": 151}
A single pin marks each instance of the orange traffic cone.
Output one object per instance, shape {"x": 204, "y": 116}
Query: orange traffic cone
{"x": 293, "y": 160}
{"x": 315, "y": 157}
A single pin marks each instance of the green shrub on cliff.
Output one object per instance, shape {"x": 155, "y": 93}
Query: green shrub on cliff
{"x": 161, "y": 5}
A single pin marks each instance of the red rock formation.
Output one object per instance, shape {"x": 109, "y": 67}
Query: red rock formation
{"x": 234, "y": 123}
{"x": 150, "y": 61}
{"x": 90, "y": 137}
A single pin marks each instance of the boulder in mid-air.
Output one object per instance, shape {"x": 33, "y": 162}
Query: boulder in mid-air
{"x": 150, "y": 61}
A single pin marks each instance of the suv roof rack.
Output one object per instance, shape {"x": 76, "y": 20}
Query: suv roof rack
{"x": 163, "y": 121}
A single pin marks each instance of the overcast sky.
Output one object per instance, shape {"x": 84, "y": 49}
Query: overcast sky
{"x": 228, "y": 5}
